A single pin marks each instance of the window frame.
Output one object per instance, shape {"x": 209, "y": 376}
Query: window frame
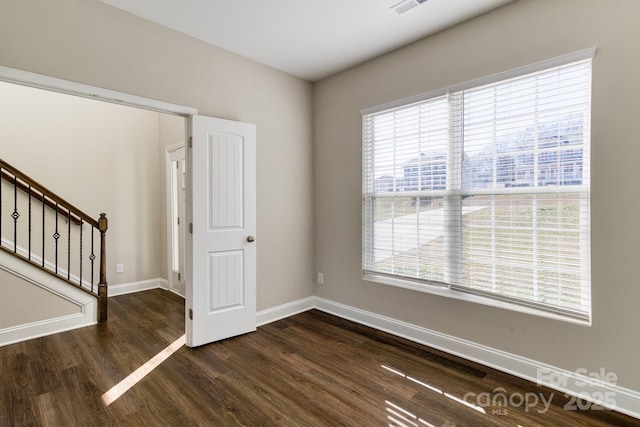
{"x": 451, "y": 290}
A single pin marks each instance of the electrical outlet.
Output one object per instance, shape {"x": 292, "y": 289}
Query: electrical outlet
{"x": 320, "y": 279}
{"x": 119, "y": 268}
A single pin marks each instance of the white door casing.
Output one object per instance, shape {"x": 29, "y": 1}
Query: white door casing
{"x": 176, "y": 217}
{"x": 221, "y": 249}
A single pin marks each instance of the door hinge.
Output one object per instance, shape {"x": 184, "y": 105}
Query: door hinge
{"x": 191, "y": 227}
{"x": 178, "y": 277}
{"x": 190, "y": 314}
{"x": 190, "y": 141}
{"x": 178, "y": 220}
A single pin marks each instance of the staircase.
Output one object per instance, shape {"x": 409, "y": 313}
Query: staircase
{"x": 43, "y": 230}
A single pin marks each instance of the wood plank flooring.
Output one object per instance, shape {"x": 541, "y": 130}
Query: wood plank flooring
{"x": 311, "y": 369}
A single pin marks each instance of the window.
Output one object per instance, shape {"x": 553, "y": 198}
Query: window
{"x": 483, "y": 189}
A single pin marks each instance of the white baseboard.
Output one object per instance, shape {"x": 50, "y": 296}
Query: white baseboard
{"x": 87, "y": 304}
{"x": 285, "y": 310}
{"x": 596, "y": 391}
{"x": 46, "y": 327}
{"x": 574, "y": 384}
{"x": 143, "y": 285}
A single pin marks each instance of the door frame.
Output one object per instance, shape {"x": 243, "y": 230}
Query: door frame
{"x": 40, "y": 81}
{"x": 26, "y": 78}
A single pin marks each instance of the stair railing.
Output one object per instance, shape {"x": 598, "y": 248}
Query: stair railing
{"x": 43, "y": 229}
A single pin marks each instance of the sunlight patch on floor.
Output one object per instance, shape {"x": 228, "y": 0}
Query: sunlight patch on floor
{"x": 435, "y": 389}
{"x": 123, "y": 386}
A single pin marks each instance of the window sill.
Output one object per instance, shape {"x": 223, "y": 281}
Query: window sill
{"x": 446, "y": 292}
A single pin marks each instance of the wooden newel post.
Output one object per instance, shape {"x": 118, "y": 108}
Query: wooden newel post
{"x": 103, "y": 224}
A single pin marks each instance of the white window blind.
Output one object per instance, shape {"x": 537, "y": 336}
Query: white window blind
{"x": 485, "y": 190}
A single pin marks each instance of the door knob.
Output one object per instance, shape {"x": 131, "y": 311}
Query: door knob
{"x": 251, "y": 239}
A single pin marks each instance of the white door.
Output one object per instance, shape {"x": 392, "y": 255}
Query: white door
{"x": 176, "y": 212}
{"x": 221, "y": 248}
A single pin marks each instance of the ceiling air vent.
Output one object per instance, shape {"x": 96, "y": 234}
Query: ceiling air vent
{"x": 406, "y": 5}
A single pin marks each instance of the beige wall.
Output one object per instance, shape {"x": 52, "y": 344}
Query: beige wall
{"x": 102, "y": 158}
{"x": 172, "y": 132}
{"x": 22, "y": 302}
{"x": 92, "y": 43}
{"x": 518, "y": 34}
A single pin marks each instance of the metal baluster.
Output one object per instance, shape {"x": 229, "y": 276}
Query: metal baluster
{"x": 0, "y": 206}
{"x": 29, "y": 222}
{"x": 68, "y": 244}
{"x": 81, "y": 224}
{"x": 15, "y": 214}
{"x": 44, "y": 204}
{"x": 92, "y": 257}
{"x": 56, "y": 236}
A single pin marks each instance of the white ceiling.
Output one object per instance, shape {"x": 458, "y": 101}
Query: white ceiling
{"x": 309, "y": 39}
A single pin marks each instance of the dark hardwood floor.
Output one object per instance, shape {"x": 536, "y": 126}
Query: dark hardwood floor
{"x": 311, "y": 369}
